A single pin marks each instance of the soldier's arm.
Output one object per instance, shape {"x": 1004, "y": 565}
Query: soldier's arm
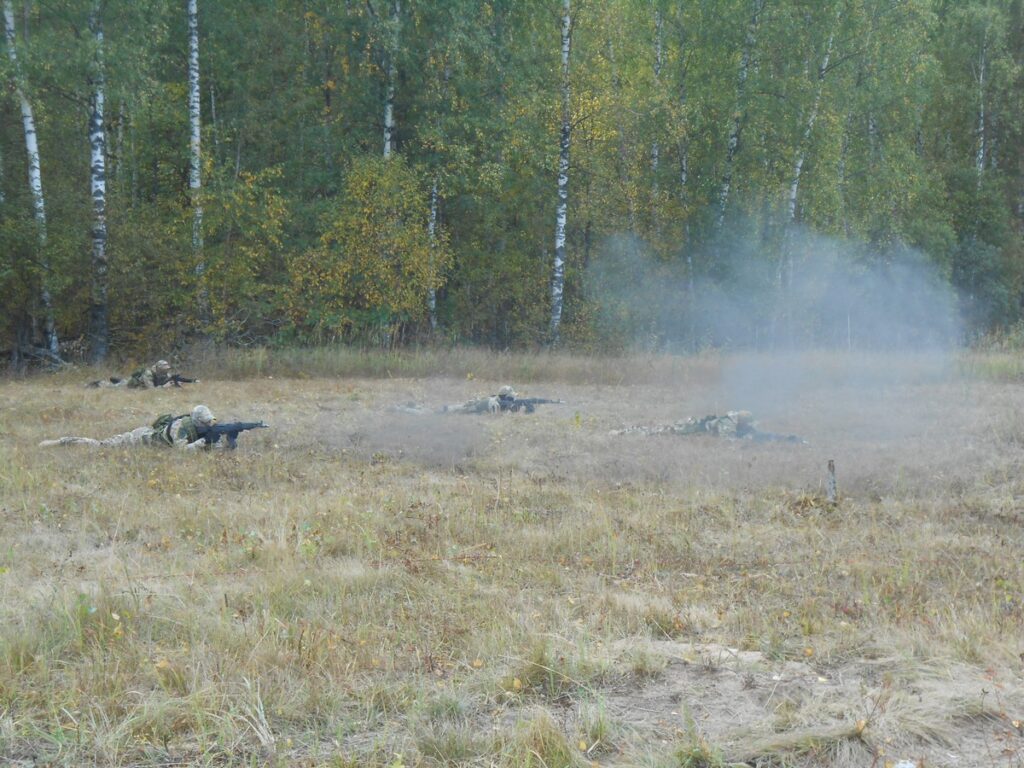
{"x": 180, "y": 439}
{"x": 200, "y": 445}
{"x": 147, "y": 379}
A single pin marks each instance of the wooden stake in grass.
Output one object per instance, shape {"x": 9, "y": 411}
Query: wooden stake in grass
{"x": 830, "y": 488}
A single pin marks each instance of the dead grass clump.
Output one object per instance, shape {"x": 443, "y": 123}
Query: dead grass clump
{"x": 600, "y": 732}
{"x": 643, "y": 664}
{"x": 630, "y": 613}
{"x": 387, "y": 698}
{"x": 821, "y": 744}
{"x": 553, "y": 676}
{"x": 697, "y": 756}
{"x": 454, "y": 745}
{"x": 538, "y": 743}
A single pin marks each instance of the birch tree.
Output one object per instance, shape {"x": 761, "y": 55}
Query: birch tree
{"x": 98, "y": 188}
{"x": 432, "y": 233}
{"x": 195, "y": 157}
{"x": 562, "y": 208}
{"x": 736, "y": 128}
{"x": 35, "y": 178}
{"x": 812, "y": 118}
{"x": 659, "y": 40}
{"x": 982, "y": 133}
{"x": 392, "y": 76}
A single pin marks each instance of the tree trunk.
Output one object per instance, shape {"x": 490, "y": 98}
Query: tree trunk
{"x": 558, "y": 276}
{"x": 432, "y": 232}
{"x": 659, "y": 25}
{"x": 35, "y": 178}
{"x": 784, "y": 276}
{"x": 99, "y": 331}
{"x": 737, "y": 119}
{"x": 684, "y": 140}
{"x": 214, "y": 128}
{"x": 979, "y": 158}
{"x": 392, "y": 75}
{"x": 801, "y": 153}
{"x": 195, "y": 159}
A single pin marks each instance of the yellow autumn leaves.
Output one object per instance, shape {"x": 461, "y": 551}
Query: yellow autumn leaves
{"x": 376, "y": 261}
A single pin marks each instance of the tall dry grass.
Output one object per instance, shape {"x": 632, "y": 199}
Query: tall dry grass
{"x": 360, "y": 587}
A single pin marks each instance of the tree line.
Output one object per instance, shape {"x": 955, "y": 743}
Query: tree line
{"x": 498, "y": 172}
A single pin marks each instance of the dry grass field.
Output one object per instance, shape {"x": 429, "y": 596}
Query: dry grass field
{"x": 359, "y": 586}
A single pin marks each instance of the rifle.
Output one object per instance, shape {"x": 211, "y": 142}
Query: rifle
{"x": 179, "y": 379}
{"x": 529, "y": 404}
{"x": 213, "y": 433}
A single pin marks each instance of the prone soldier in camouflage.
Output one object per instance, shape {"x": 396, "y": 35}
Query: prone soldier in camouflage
{"x": 505, "y": 401}
{"x": 182, "y": 432}
{"x": 492, "y": 404}
{"x": 156, "y": 376}
{"x": 734, "y": 424}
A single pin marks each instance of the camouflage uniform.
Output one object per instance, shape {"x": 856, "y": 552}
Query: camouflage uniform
{"x": 159, "y": 375}
{"x": 734, "y": 424}
{"x": 150, "y": 378}
{"x": 172, "y": 431}
{"x": 494, "y": 404}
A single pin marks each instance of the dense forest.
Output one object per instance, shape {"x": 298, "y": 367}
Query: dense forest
{"x": 587, "y": 173}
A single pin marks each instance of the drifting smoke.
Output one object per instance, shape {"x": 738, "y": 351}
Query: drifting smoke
{"x": 826, "y": 324}
{"x": 820, "y": 294}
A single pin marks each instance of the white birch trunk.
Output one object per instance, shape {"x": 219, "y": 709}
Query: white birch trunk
{"x": 432, "y": 232}
{"x": 659, "y": 25}
{"x": 215, "y": 130}
{"x": 35, "y": 177}
{"x": 98, "y": 189}
{"x": 684, "y": 140}
{"x": 979, "y": 158}
{"x": 392, "y": 77}
{"x": 684, "y": 143}
{"x": 195, "y": 183}
{"x": 801, "y": 154}
{"x": 844, "y": 194}
{"x": 737, "y": 118}
{"x": 561, "y": 215}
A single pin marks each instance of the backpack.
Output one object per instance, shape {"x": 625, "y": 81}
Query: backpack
{"x": 162, "y": 428}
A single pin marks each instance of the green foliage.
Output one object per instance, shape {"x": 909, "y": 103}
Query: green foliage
{"x": 244, "y": 221}
{"x": 376, "y": 262}
{"x": 907, "y": 138}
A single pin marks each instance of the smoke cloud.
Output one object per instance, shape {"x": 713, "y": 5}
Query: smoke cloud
{"x": 825, "y": 322}
{"x": 818, "y": 294}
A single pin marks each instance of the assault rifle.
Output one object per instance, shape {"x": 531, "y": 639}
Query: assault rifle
{"x": 213, "y": 433}
{"x": 529, "y": 404}
{"x": 178, "y": 379}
